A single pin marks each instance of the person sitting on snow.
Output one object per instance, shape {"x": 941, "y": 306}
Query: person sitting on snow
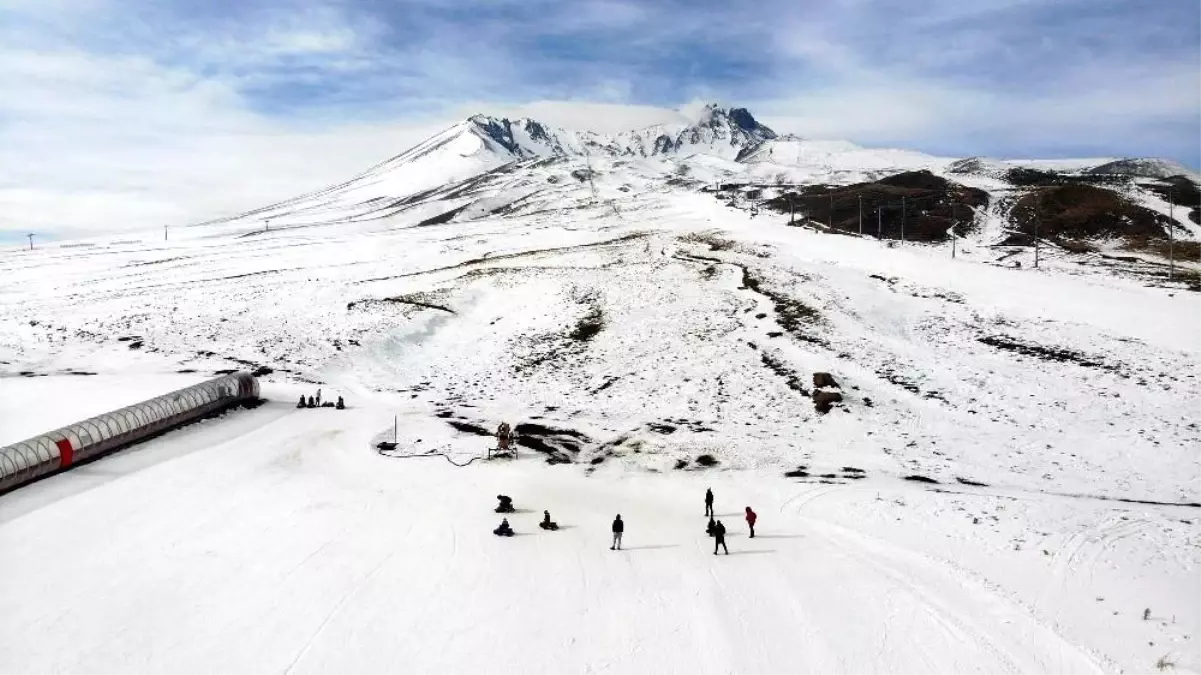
{"x": 503, "y": 530}
{"x": 312, "y": 402}
{"x": 301, "y": 404}
{"x": 341, "y": 405}
{"x": 505, "y": 505}
{"x": 547, "y": 523}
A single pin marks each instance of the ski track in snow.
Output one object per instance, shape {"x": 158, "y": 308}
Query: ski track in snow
{"x": 277, "y": 540}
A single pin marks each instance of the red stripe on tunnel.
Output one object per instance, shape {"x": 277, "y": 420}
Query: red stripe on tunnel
{"x": 66, "y": 455}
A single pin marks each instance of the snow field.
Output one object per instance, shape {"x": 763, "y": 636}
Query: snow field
{"x": 288, "y": 545}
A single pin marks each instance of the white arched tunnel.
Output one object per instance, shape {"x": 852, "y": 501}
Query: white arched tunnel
{"x": 31, "y": 459}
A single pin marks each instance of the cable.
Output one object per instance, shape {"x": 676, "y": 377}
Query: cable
{"x": 389, "y": 454}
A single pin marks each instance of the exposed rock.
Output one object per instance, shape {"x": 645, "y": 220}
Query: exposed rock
{"x": 823, "y": 401}
{"x": 824, "y": 380}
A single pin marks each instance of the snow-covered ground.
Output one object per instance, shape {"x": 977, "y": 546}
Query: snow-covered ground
{"x": 277, "y": 540}
{"x": 1048, "y": 417}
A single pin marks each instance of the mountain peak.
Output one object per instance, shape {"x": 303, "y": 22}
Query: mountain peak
{"x": 713, "y": 130}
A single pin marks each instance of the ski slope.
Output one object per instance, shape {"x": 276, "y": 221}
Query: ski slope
{"x": 1010, "y": 481}
{"x": 276, "y": 540}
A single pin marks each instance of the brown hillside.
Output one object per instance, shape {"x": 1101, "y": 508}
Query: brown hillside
{"x": 930, "y": 204}
{"x": 1076, "y": 211}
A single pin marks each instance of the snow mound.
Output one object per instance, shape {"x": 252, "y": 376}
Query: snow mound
{"x": 1146, "y": 167}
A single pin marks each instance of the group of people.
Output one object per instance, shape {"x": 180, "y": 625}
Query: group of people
{"x": 315, "y": 402}
{"x": 505, "y": 505}
{"x": 715, "y": 529}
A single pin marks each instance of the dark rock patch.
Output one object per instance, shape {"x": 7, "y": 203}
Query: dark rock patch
{"x": 1046, "y": 353}
{"x": 791, "y": 377}
{"x": 922, "y": 479}
{"x": 965, "y": 481}
{"x": 823, "y": 401}
{"x": 469, "y": 428}
{"x": 824, "y": 380}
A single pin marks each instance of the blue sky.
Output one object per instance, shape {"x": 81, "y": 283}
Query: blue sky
{"x": 118, "y": 113}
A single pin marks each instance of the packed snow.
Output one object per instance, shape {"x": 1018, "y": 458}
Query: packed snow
{"x": 1010, "y": 483}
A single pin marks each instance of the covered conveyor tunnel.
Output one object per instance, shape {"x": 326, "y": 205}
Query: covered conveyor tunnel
{"x": 29, "y": 460}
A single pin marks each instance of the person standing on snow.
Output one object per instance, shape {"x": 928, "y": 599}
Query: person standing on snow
{"x": 618, "y": 528}
{"x": 318, "y": 398}
{"x": 708, "y": 502}
{"x": 751, "y": 517}
{"x": 719, "y": 538}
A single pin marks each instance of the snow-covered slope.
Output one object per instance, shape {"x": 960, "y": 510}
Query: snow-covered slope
{"x": 837, "y": 155}
{"x": 648, "y": 331}
{"x": 1009, "y": 482}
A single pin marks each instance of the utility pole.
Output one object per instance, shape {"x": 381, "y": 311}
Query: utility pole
{"x": 860, "y": 215}
{"x": 1036, "y": 241}
{"x": 30, "y": 235}
{"x": 791, "y": 209}
{"x": 953, "y": 224}
{"x": 902, "y": 220}
{"x": 588, "y": 162}
{"x": 879, "y": 223}
{"x": 830, "y": 215}
{"x": 1171, "y": 234}
{"x": 164, "y": 233}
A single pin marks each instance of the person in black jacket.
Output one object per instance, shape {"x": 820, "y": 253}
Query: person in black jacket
{"x": 711, "y": 527}
{"x": 505, "y": 505}
{"x": 547, "y": 523}
{"x": 618, "y": 528}
{"x": 708, "y": 502}
{"x": 503, "y": 530}
{"x": 719, "y": 538}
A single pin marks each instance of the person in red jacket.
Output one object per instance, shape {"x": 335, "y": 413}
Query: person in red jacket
{"x": 751, "y": 517}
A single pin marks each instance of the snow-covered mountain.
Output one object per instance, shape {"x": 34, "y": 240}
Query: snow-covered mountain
{"x": 721, "y": 132}
{"x": 486, "y": 166}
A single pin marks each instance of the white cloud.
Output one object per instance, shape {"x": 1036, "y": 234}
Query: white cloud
{"x": 1094, "y": 112}
{"x": 121, "y": 144}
